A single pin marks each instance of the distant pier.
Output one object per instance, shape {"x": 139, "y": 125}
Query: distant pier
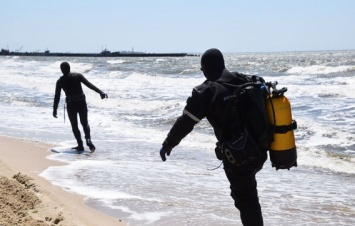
{"x": 104, "y": 53}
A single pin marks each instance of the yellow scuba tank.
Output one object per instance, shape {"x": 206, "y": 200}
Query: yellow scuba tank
{"x": 282, "y": 151}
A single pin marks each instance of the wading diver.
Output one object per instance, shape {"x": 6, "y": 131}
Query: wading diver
{"x": 76, "y": 103}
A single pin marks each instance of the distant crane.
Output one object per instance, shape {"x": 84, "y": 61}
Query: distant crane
{"x": 19, "y": 49}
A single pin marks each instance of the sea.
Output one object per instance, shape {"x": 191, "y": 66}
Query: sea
{"x": 126, "y": 178}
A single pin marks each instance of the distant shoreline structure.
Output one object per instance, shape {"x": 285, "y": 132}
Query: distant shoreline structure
{"x": 104, "y": 53}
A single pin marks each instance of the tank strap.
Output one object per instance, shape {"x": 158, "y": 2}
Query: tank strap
{"x": 285, "y": 129}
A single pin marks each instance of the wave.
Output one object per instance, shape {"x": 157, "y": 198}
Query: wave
{"x": 321, "y": 158}
{"x": 116, "y": 61}
{"x": 319, "y": 69}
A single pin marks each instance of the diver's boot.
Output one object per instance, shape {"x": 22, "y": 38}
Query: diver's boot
{"x": 90, "y": 145}
{"x": 78, "y": 148}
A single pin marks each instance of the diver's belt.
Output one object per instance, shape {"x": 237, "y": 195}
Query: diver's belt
{"x": 75, "y": 98}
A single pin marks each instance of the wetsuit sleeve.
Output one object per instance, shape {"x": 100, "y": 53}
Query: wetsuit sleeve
{"x": 193, "y": 112}
{"x": 197, "y": 104}
{"x": 89, "y": 84}
{"x": 58, "y": 90}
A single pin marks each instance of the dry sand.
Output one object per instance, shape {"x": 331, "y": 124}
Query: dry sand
{"x": 27, "y": 199}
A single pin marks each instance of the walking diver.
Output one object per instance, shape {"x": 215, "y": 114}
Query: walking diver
{"x": 208, "y": 100}
{"x": 76, "y": 103}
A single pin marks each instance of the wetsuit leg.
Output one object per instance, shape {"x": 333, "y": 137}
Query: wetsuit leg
{"x": 72, "y": 114}
{"x": 83, "y": 114}
{"x": 243, "y": 187}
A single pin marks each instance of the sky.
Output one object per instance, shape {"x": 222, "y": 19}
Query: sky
{"x": 189, "y": 26}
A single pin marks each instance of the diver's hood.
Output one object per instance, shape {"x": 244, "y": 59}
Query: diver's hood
{"x": 65, "y": 67}
{"x": 212, "y": 63}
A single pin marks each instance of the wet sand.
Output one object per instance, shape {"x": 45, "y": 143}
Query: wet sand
{"x": 28, "y": 199}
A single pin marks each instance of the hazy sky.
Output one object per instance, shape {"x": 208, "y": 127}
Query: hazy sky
{"x": 177, "y": 25}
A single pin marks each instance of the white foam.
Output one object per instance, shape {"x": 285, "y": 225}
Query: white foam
{"x": 149, "y": 217}
{"x": 319, "y": 69}
{"x": 116, "y": 61}
{"x": 320, "y": 158}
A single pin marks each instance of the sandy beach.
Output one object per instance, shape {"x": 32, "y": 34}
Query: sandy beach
{"x": 28, "y": 199}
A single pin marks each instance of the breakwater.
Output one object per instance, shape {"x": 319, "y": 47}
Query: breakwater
{"x": 101, "y": 54}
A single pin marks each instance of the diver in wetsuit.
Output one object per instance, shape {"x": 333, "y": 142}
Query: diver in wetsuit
{"x": 76, "y": 103}
{"x": 210, "y": 100}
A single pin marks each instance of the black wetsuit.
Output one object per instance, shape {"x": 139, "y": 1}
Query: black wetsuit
{"x": 208, "y": 100}
{"x": 76, "y": 103}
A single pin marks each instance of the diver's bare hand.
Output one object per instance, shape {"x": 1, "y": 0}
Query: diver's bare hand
{"x": 55, "y": 113}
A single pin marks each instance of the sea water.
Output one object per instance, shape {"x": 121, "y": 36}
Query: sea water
{"x": 126, "y": 178}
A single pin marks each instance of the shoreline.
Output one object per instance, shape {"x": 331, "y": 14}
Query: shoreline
{"x": 27, "y": 159}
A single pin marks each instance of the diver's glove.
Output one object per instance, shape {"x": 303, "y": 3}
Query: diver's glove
{"x": 55, "y": 113}
{"x": 103, "y": 95}
{"x": 164, "y": 151}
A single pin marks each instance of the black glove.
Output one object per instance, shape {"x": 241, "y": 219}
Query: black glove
{"x": 55, "y": 113}
{"x": 103, "y": 95}
{"x": 163, "y": 152}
